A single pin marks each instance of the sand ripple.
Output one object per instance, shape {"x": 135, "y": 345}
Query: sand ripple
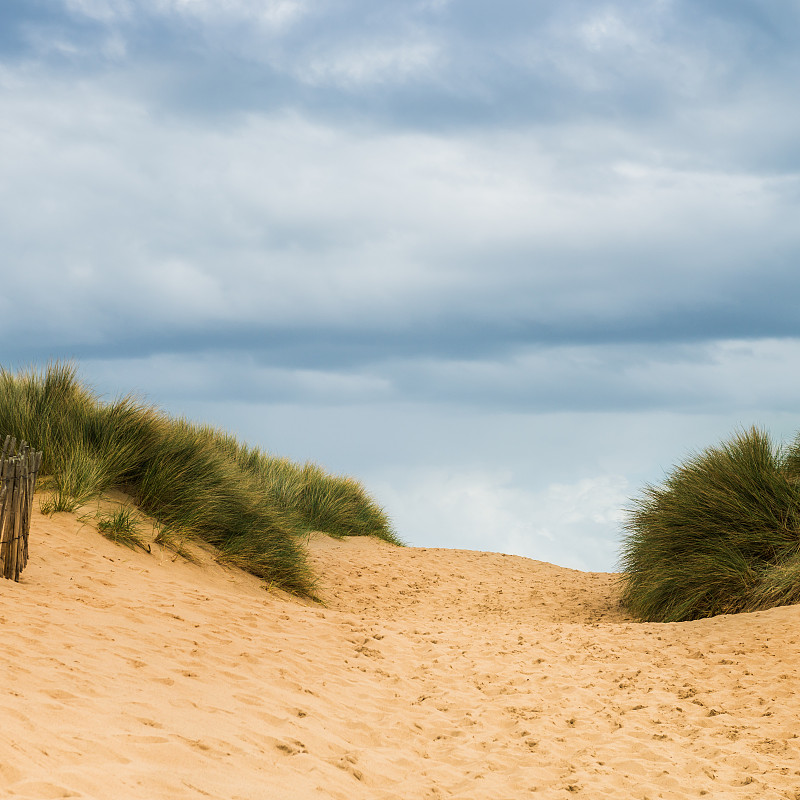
{"x": 428, "y": 674}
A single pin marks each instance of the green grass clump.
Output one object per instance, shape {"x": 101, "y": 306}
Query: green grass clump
{"x": 721, "y": 535}
{"x": 194, "y": 480}
{"x": 339, "y": 506}
{"x": 122, "y": 527}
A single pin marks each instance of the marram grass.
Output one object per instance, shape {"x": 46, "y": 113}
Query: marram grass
{"x": 122, "y": 527}
{"x": 721, "y": 535}
{"x": 194, "y": 480}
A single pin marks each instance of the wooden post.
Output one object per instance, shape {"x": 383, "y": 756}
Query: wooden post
{"x": 4, "y": 512}
{"x": 7, "y": 535}
{"x": 18, "y": 474}
{"x": 33, "y": 462}
{"x": 13, "y": 566}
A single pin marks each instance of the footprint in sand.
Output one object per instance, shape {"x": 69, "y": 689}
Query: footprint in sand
{"x": 41, "y": 790}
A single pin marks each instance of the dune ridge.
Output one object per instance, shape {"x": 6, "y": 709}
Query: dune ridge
{"x": 427, "y": 674}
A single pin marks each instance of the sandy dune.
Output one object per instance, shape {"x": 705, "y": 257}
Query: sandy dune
{"x": 429, "y": 674}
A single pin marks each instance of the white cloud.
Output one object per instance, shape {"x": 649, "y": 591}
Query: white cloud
{"x": 106, "y": 11}
{"x": 300, "y": 220}
{"x": 267, "y": 15}
{"x": 361, "y": 64}
{"x": 178, "y": 289}
{"x": 608, "y": 29}
{"x": 574, "y": 525}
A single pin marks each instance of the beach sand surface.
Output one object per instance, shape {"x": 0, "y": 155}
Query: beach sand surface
{"x": 428, "y": 673}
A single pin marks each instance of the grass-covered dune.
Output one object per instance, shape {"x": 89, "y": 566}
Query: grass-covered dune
{"x": 193, "y": 480}
{"x": 721, "y": 535}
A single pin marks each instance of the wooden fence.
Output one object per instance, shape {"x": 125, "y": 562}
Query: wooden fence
{"x": 18, "y": 472}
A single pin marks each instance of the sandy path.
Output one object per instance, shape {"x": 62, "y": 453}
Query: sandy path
{"x": 429, "y": 674}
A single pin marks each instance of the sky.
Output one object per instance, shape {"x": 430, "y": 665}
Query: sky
{"x": 503, "y": 262}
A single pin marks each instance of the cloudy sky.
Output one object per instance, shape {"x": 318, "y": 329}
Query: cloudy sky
{"x": 504, "y": 262}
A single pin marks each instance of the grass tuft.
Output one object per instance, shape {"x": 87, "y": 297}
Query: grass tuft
{"x": 122, "y": 527}
{"x": 172, "y": 540}
{"x": 721, "y": 535}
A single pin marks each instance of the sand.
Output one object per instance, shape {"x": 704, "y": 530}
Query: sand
{"x": 428, "y": 674}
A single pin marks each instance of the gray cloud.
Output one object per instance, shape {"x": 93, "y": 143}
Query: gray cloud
{"x": 363, "y": 219}
{"x": 439, "y": 66}
{"x": 401, "y": 236}
{"x": 632, "y": 379}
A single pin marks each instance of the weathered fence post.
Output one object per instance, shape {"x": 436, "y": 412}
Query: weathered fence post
{"x": 18, "y": 474}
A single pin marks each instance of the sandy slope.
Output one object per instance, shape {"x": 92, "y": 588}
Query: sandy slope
{"x": 430, "y": 674}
